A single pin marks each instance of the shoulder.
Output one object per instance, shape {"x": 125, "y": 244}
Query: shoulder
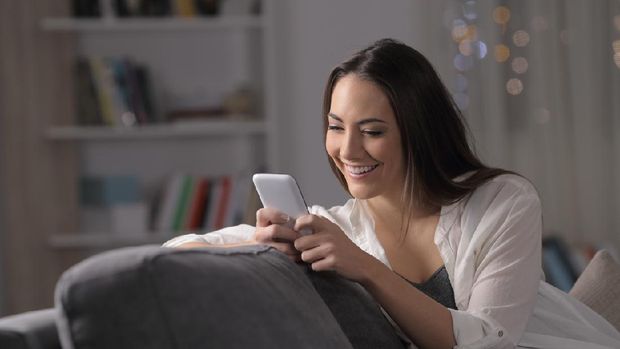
{"x": 504, "y": 187}
{"x": 505, "y": 197}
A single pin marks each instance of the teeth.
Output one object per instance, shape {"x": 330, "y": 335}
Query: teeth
{"x": 359, "y": 169}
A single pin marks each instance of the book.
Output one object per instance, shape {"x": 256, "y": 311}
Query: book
{"x": 223, "y": 202}
{"x": 197, "y": 204}
{"x": 182, "y": 203}
{"x": 87, "y": 104}
{"x": 103, "y": 88}
{"x": 168, "y": 201}
{"x": 213, "y": 205}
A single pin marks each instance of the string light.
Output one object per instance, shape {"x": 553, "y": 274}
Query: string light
{"x": 521, "y": 38}
{"x": 519, "y": 65}
{"x": 514, "y": 86}
{"x": 502, "y": 53}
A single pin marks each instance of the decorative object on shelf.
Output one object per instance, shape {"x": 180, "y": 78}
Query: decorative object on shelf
{"x": 240, "y": 101}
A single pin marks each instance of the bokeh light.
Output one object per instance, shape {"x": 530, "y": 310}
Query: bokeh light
{"x": 463, "y": 63}
{"x": 502, "y": 53}
{"x": 469, "y": 10}
{"x": 481, "y": 49}
{"x": 461, "y": 100}
{"x": 616, "y": 46}
{"x": 459, "y": 30}
{"x": 519, "y": 65}
{"x": 460, "y": 83}
{"x": 501, "y": 15}
{"x": 466, "y": 48}
{"x": 514, "y": 86}
{"x": 539, "y": 24}
{"x": 521, "y": 38}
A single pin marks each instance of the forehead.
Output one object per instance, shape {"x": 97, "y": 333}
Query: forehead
{"x": 354, "y": 98}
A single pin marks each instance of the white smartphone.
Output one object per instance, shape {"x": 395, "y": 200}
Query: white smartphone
{"x": 280, "y": 191}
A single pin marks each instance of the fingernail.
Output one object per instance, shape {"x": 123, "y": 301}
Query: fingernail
{"x": 285, "y": 217}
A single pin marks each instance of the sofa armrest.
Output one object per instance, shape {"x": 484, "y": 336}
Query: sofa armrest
{"x": 31, "y": 330}
{"x": 154, "y": 297}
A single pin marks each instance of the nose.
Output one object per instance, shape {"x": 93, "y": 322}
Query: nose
{"x": 352, "y": 147}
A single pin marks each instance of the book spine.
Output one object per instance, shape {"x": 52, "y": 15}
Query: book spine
{"x": 198, "y": 203}
{"x": 223, "y": 206}
{"x": 168, "y": 202}
{"x": 182, "y": 203}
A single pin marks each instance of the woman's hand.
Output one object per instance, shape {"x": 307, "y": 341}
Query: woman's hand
{"x": 328, "y": 248}
{"x": 270, "y": 230}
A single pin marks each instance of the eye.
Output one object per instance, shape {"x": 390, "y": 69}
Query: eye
{"x": 373, "y": 133}
{"x": 334, "y": 128}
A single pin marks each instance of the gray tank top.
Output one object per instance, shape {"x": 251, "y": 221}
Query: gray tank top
{"x": 438, "y": 287}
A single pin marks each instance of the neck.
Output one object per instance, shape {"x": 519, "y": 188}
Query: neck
{"x": 389, "y": 213}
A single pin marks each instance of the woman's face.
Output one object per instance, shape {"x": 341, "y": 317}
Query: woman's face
{"x": 363, "y": 139}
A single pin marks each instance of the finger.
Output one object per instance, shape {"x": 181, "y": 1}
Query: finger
{"x": 267, "y": 216}
{"x": 317, "y": 253}
{"x": 308, "y": 222}
{"x": 308, "y": 242}
{"x": 324, "y": 264}
{"x": 276, "y": 233}
{"x": 285, "y": 248}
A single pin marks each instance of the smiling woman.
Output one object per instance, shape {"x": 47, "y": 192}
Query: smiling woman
{"x": 448, "y": 247}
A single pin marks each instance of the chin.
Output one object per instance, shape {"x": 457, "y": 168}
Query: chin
{"x": 361, "y": 193}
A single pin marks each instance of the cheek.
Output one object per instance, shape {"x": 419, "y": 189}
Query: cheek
{"x": 331, "y": 146}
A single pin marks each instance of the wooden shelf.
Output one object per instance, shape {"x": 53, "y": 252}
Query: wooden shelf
{"x": 157, "y": 131}
{"x": 108, "y": 240}
{"x": 151, "y": 24}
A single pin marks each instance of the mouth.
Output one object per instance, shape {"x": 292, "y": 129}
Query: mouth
{"x": 359, "y": 171}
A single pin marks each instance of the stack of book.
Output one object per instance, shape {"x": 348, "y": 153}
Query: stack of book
{"x": 113, "y": 92}
{"x": 197, "y": 203}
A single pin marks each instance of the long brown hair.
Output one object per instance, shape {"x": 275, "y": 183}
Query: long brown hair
{"x": 434, "y": 134}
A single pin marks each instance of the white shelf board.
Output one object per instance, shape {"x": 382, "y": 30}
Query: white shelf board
{"x": 151, "y": 24}
{"x": 155, "y": 131}
{"x": 108, "y": 240}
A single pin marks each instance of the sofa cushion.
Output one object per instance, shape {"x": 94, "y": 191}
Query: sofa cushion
{"x": 599, "y": 287}
{"x": 30, "y": 330}
{"x": 154, "y": 297}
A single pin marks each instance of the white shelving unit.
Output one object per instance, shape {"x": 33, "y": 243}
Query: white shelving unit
{"x": 152, "y": 24}
{"x": 192, "y": 61}
{"x": 155, "y": 131}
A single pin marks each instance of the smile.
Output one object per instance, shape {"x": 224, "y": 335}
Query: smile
{"x": 359, "y": 171}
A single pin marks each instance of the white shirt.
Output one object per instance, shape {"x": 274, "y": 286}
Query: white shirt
{"x": 490, "y": 243}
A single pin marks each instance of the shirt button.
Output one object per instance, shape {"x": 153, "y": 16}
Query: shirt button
{"x": 500, "y": 333}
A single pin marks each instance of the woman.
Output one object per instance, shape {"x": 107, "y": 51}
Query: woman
{"x": 449, "y": 248}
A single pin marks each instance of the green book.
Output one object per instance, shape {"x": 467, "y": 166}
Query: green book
{"x": 182, "y": 204}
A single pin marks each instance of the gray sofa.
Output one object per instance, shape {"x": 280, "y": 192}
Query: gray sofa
{"x": 250, "y": 297}
{"x": 153, "y": 297}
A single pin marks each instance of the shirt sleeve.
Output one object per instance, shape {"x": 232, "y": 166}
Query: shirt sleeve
{"x": 505, "y": 250}
{"x": 229, "y": 235}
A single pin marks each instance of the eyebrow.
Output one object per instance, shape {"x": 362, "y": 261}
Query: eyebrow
{"x": 361, "y": 122}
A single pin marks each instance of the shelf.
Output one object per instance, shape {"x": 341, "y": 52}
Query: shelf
{"x": 157, "y": 131}
{"x": 108, "y": 240}
{"x": 151, "y": 24}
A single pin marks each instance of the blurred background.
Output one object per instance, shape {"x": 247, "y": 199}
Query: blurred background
{"x": 127, "y": 122}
